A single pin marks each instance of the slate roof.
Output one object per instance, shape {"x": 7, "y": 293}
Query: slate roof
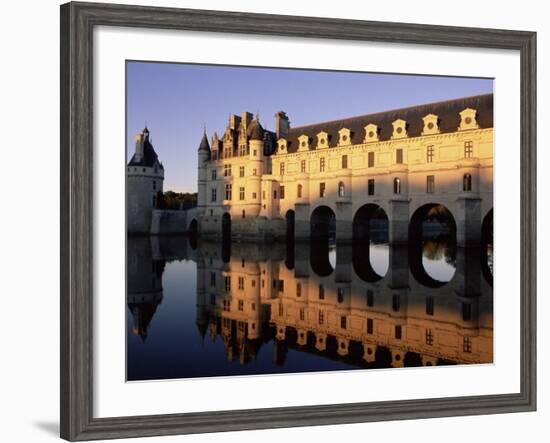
{"x": 204, "y": 146}
{"x": 149, "y": 156}
{"x": 447, "y": 111}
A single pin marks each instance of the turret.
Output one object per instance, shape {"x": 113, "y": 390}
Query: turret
{"x": 203, "y": 156}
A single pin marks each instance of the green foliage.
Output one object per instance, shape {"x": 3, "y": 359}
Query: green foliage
{"x": 177, "y": 200}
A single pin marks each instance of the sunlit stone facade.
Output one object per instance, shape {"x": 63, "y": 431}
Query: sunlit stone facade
{"x": 399, "y": 160}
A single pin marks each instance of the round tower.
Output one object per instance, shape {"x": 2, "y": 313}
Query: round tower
{"x": 144, "y": 184}
{"x": 256, "y": 160}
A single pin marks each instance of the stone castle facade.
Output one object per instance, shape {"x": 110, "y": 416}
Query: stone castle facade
{"x": 258, "y": 182}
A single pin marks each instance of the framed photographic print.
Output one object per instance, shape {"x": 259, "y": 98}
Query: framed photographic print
{"x": 273, "y": 221}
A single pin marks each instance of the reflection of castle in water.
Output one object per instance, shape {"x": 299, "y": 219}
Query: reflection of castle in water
{"x": 252, "y": 294}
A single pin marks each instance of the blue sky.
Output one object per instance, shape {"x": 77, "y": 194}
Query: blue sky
{"x": 177, "y": 100}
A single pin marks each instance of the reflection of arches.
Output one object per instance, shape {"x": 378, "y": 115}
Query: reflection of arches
{"x": 433, "y": 222}
{"x": 487, "y": 247}
{"x": 323, "y": 232}
{"x": 370, "y": 224}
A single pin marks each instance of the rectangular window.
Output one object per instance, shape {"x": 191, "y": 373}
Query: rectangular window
{"x": 302, "y": 166}
{"x": 398, "y": 332}
{"x": 468, "y": 149}
{"x": 396, "y": 303}
{"x": 343, "y": 322}
{"x": 321, "y": 189}
{"x": 214, "y": 194}
{"x": 274, "y": 195}
{"x": 467, "y": 344}
{"x": 281, "y": 310}
{"x": 298, "y": 290}
{"x": 321, "y": 292}
{"x": 241, "y": 283}
{"x": 227, "y": 170}
{"x": 154, "y": 185}
{"x": 228, "y": 191}
{"x": 370, "y": 298}
{"x": 254, "y": 172}
{"x": 322, "y": 164}
{"x": 429, "y": 337}
{"x": 321, "y": 317}
{"x": 254, "y": 195}
{"x": 241, "y": 171}
{"x": 282, "y": 169}
{"x": 227, "y": 283}
{"x": 399, "y": 156}
{"x": 429, "y": 305}
{"x": 302, "y": 314}
{"x": 154, "y": 202}
{"x": 344, "y": 161}
{"x": 241, "y": 193}
{"x": 212, "y": 279}
{"x": 281, "y": 285}
{"x": 430, "y": 184}
{"x": 213, "y": 174}
{"x": 241, "y": 305}
{"x": 466, "y": 312}
{"x": 242, "y": 150}
{"x": 370, "y": 186}
{"x": 282, "y": 192}
{"x": 370, "y": 326}
{"x": 371, "y": 159}
{"x": 430, "y": 154}
{"x": 299, "y": 191}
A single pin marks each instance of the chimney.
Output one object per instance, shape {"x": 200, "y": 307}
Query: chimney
{"x": 282, "y": 124}
{"x": 138, "y": 156}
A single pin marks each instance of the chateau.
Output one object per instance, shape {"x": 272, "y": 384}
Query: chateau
{"x": 257, "y": 184}
{"x": 330, "y": 178}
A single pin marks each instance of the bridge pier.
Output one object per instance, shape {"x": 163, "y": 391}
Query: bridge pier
{"x": 302, "y": 228}
{"x": 343, "y": 262}
{"x": 398, "y": 268}
{"x": 468, "y": 271}
{"x": 468, "y": 221}
{"x": 398, "y": 219}
{"x": 344, "y": 222}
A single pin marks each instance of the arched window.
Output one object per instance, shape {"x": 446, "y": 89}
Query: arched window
{"x": 397, "y": 186}
{"x": 299, "y": 191}
{"x": 467, "y": 182}
{"x": 341, "y": 189}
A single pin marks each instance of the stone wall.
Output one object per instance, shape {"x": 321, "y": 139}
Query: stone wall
{"x": 171, "y": 222}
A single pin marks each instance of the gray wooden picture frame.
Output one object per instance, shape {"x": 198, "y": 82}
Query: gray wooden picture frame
{"x": 77, "y": 23}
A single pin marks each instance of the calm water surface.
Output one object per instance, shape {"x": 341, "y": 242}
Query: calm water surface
{"x": 198, "y": 309}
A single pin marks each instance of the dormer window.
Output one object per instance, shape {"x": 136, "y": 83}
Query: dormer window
{"x": 371, "y": 133}
{"x": 322, "y": 140}
{"x": 468, "y": 119}
{"x": 345, "y": 137}
{"x": 282, "y": 146}
{"x": 431, "y": 124}
{"x": 303, "y": 143}
{"x": 399, "y": 129}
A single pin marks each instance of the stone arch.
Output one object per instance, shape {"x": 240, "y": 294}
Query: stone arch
{"x": 370, "y": 223}
{"x": 323, "y": 234}
{"x": 486, "y": 245}
{"x": 193, "y": 227}
{"x": 290, "y": 220}
{"x": 439, "y": 217}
